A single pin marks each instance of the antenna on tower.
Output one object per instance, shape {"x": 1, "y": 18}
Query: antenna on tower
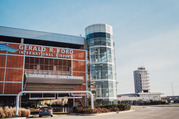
{"x": 172, "y": 89}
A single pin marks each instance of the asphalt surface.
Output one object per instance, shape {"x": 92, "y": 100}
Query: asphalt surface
{"x": 137, "y": 112}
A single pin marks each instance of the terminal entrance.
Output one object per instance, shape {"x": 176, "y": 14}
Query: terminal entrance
{"x": 38, "y": 100}
{"x": 44, "y": 74}
{"x": 61, "y": 103}
{"x": 53, "y": 97}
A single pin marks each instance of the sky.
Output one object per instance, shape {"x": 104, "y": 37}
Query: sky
{"x": 146, "y": 32}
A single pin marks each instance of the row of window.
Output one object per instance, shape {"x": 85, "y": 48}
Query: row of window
{"x": 101, "y": 75}
{"x": 101, "y": 54}
{"x": 47, "y": 67}
{"x": 53, "y": 65}
{"x": 100, "y": 50}
{"x": 101, "y": 67}
{"x": 99, "y": 41}
{"x": 101, "y": 71}
{"x": 101, "y": 58}
{"x": 98, "y": 34}
{"x": 105, "y": 92}
{"x": 105, "y": 84}
{"x": 33, "y": 60}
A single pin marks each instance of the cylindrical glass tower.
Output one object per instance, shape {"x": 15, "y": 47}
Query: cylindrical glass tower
{"x": 102, "y": 81}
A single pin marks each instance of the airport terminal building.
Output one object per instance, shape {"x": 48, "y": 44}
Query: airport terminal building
{"x": 42, "y": 61}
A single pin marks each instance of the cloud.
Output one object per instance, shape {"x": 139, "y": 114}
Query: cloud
{"x": 160, "y": 56}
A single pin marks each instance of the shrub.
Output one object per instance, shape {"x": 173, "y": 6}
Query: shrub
{"x": 80, "y": 110}
{"x": 102, "y": 108}
{"x": 24, "y": 112}
{"x": 107, "y": 106}
{"x": 14, "y": 110}
{"x": 75, "y": 109}
{"x": 9, "y": 112}
{"x": 2, "y": 115}
{"x": 88, "y": 110}
{"x": 123, "y": 107}
{"x": 156, "y": 102}
{"x": 97, "y": 110}
{"x": 114, "y": 109}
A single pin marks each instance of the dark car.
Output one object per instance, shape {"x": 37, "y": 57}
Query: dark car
{"x": 46, "y": 111}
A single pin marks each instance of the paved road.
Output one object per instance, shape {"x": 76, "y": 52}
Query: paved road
{"x": 140, "y": 112}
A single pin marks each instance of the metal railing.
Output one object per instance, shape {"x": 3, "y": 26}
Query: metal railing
{"x": 57, "y": 92}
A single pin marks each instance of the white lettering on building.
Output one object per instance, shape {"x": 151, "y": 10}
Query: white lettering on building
{"x": 53, "y": 76}
{"x": 65, "y": 51}
{"x": 39, "y": 50}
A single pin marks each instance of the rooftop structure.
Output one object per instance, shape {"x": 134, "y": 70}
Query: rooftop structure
{"x": 141, "y": 80}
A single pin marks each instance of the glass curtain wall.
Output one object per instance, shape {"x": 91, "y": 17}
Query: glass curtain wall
{"x": 102, "y": 78}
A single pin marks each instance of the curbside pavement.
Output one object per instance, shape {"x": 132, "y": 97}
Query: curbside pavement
{"x": 115, "y": 112}
{"x": 100, "y": 114}
{"x": 18, "y": 118}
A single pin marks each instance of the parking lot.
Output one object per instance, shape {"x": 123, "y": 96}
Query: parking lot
{"x": 138, "y": 112}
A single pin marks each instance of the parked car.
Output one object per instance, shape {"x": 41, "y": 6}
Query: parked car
{"x": 46, "y": 111}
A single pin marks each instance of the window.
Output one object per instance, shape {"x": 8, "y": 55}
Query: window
{"x": 47, "y": 65}
{"x": 98, "y": 34}
{"x": 101, "y": 54}
{"x": 101, "y": 71}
